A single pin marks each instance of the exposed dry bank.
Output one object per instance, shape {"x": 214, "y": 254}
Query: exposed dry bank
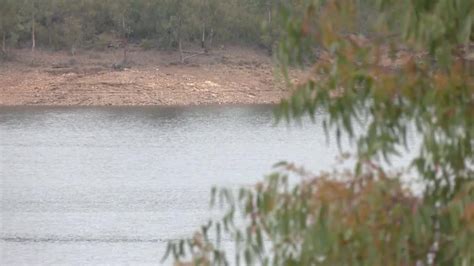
{"x": 225, "y": 76}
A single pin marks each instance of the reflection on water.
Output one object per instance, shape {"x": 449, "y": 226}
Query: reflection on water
{"x": 112, "y": 185}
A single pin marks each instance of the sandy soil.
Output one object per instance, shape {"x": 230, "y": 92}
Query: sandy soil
{"x": 225, "y": 76}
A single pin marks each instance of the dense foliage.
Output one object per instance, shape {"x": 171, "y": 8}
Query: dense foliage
{"x": 413, "y": 74}
{"x": 67, "y": 24}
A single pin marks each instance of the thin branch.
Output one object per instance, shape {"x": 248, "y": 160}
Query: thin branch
{"x": 194, "y": 55}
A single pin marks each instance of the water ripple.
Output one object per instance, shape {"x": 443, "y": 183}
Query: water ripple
{"x": 78, "y": 239}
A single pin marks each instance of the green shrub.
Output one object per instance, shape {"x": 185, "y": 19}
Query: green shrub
{"x": 104, "y": 41}
{"x": 148, "y": 44}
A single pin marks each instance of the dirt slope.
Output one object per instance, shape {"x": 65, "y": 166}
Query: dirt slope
{"x": 229, "y": 75}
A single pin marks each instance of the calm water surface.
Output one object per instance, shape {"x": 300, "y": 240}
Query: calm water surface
{"x": 112, "y": 185}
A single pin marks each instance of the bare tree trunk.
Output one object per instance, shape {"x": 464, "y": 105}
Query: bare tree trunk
{"x": 125, "y": 40}
{"x": 170, "y": 39}
{"x": 123, "y": 24}
{"x": 180, "y": 45}
{"x": 125, "y": 50}
{"x": 203, "y": 39}
{"x": 33, "y": 33}
{"x": 180, "y": 48}
{"x": 4, "y": 46}
{"x": 73, "y": 50}
{"x": 211, "y": 37}
{"x": 50, "y": 37}
{"x": 33, "y": 38}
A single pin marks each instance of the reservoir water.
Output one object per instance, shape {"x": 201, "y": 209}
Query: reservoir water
{"x": 111, "y": 185}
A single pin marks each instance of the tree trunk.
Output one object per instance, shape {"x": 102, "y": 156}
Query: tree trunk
{"x": 170, "y": 39}
{"x": 269, "y": 15}
{"x": 211, "y": 37}
{"x": 125, "y": 55}
{"x": 123, "y": 25}
{"x": 33, "y": 34}
{"x": 180, "y": 44}
{"x": 180, "y": 48}
{"x": 4, "y": 46}
{"x": 203, "y": 39}
{"x": 50, "y": 36}
{"x": 125, "y": 40}
{"x": 73, "y": 50}
{"x": 125, "y": 50}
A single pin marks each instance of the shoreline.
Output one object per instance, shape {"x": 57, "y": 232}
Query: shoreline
{"x": 177, "y": 106}
{"x": 232, "y": 76}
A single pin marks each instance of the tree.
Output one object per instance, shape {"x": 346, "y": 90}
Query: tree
{"x": 185, "y": 23}
{"x": 121, "y": 12}
{"x": 7, "y": 20}
{"x": 412, "y": 72}
{"x": 47, "y": 22}
{"x": 33, "y": 11}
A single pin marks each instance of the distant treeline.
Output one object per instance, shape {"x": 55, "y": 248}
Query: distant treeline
{"x": 164, "y": 24}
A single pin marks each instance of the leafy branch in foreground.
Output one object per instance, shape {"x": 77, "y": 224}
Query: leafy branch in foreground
{"x": 431, "y": 89}
{"x": 412, "y": 70}
{"x": 335, "y": 219}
